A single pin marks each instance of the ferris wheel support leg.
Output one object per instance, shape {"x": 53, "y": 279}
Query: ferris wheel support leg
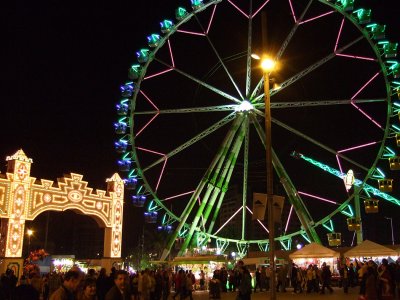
{"x": 359, "y": 233}
{"x": 184, "y": 216}
{"x": 216, "y": 189}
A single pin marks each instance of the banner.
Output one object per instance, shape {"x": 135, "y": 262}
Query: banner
{"x": 260, "y": 206}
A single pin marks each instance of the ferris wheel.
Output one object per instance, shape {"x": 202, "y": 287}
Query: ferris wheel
{"x": 191, "y": 127}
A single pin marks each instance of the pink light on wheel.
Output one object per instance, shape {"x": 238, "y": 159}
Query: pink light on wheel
{"x": 338, "y": 36}
{"x": 289, "y": 216}
{"x": 292, "y": 10}
{"x": 259, "y": 222}
{"x": 317, "y": 17}
{"x": 317, "y": 197}
{"x": 191, "y": 32}
{"x": 179, "y": 195}
{"x": 241, "y": 11}
{"x": 356, "y": 57}
{"x": 211, "y": 19}
{"x": 261, "y": 7}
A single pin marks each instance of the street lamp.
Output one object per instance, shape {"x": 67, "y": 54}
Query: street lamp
{"x": 391, "y": 226}
{"x": 267, "y": 66}
{"x": 29, "y": 232}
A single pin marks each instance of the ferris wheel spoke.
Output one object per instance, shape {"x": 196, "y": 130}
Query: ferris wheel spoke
{"x": 192, "y": 141}
{"x": 285, "y": 43}
{"x": 200, "y": 82}
{"x": 249, "y": 50}
{"x": 310, "y": 103}
{"x": 218, "y": 108}
{"x": 221, "y": 62}
{"x": 309, "y": 69}
{"x": 296, "y": 25}
{"x": 315, "y": 142}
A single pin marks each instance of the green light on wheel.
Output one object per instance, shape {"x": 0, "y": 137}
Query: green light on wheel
{"x": 347, "y": 5}
{"x": 166, "y": 26}
{"x": 153, "y": 40}
{"x": 363, "y": 15}
{"x": 180, "y": 13}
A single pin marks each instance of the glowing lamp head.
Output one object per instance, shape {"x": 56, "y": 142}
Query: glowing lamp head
{"x": 267, "y": 64}
{"x": 29, "y": 232}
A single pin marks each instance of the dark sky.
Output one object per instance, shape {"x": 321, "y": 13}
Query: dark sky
{"x": 61, "y": 67}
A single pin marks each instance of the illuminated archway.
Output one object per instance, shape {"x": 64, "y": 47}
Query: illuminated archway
{"x": 23, "y": 198}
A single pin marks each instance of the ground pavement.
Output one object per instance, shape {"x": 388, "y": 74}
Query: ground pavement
{"x": 337, "y": 294}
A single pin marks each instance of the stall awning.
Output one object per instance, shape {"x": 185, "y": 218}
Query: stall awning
{"x": 314, "y": 250}
{"x": 370, "y": 249}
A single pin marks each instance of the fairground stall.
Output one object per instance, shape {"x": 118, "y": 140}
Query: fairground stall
{"x": 369, "y": 250}
{"x": 206, "y": 263}
{"x": 315, "y": 254}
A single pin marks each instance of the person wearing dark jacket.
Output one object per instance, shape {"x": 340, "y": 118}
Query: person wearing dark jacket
{"x": 326, "y": 276}
{"x": 119, "y": 291}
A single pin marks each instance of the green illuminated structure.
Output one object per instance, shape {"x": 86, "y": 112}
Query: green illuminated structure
{"x": 194, "y": 125}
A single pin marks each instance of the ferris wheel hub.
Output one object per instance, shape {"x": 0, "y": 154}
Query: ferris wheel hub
{"x": 244, "y": 106}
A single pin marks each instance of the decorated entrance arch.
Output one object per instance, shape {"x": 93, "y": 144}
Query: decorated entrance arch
{"x": 23, "y": 197}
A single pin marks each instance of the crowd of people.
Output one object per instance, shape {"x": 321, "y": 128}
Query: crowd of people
{"x": 375, "y": 282}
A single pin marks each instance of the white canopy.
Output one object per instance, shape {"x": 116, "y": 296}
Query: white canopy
{"x": 370, "y": 249}
{"x": 314, "y": 250}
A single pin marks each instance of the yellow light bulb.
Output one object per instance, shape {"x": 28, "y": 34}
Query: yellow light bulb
{"x": 267, "y": 64}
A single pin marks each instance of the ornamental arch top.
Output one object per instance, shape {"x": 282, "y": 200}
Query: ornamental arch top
{"x": 23, "y": 197}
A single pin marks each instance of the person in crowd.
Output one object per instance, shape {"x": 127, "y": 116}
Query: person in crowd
{"x": 316, "y": 278}
{"x": 54, "y": 282}
{"x": 231, "y": 281}
{"x": 88, "y": 291}
{"x": 45, "y": 287}
{"x": 326, "y": 276}
{"x": 309, "y": 279}
{"x": 267, "y": 278}
{"x": 25, "y": 291}
{"x": 36, "y": 281}
{"x": 8, "y": 283}
{"x": 102, "y": 284}
{"x": 119, "y": 291}
{"x": 258, "y": 280}
{"x": 294, "y": 278}
{"x": 135, "y": 286}
{"x": 386, "y": 281}
{"x": 344, "y": 277}
{"x": 166, "y": 285}
{"x": 244, "y": 292}
{"x": 371, "y": 284}
{"x": 282, "y": 277}
{"x": 189, "y": 287}
{"x": 69, "y": 287}
{"x": 352, "y": 276}
{"x": 178, "y": 283}
{"x": 202, "y": 280}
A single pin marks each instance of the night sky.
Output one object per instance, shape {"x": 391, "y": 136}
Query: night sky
{"x": 62, "y": 65}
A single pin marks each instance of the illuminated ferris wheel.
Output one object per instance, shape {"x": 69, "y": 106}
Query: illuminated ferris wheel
{"x": 191, "y": 128}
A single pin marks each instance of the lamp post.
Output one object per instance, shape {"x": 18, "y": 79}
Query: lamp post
{"x": 267, "y": 66}
{"x": 29, "y": 232}
{"x": 391, "y": 227}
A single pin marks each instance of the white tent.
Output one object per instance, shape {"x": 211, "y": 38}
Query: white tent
{"x": 314, "y": 250}
{"x": 370, "y": 249}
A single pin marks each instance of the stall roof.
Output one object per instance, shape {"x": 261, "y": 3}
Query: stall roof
{"x": 314, "y": 250}
{"x": 368, "y": 248}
